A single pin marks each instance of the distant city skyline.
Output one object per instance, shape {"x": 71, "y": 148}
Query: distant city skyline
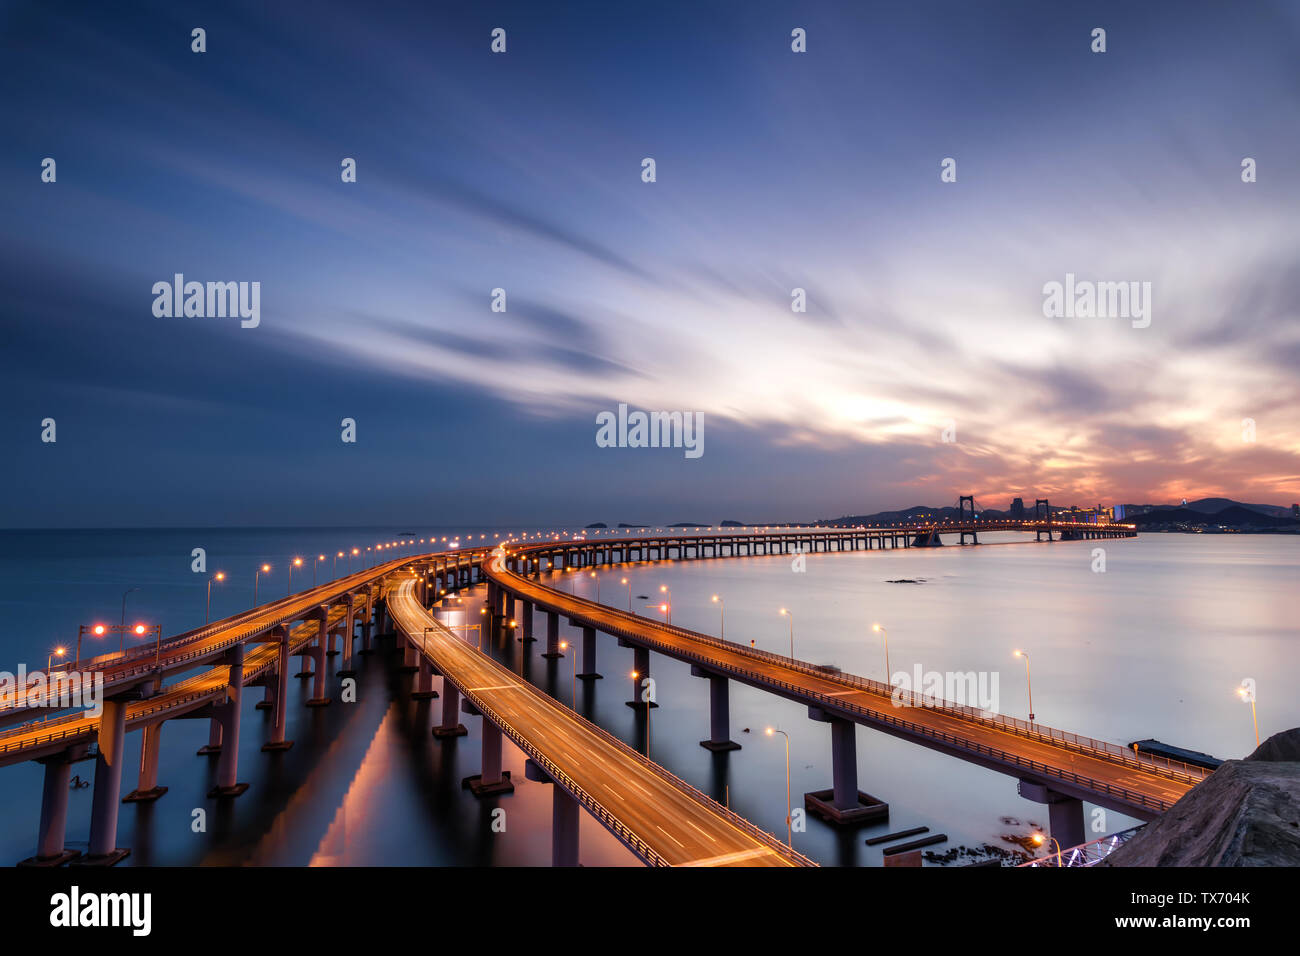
{"x": 927, "y": 363}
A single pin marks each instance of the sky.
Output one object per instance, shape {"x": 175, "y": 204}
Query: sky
{"x": 923, "y": 368}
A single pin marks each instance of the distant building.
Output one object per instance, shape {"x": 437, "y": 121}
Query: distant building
{"x": 1119, "y": 512}
{"x": 1018, "y": 508}
{"x": 1295, "y": 511}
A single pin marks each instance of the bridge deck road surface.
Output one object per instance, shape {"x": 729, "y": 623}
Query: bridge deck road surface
{"x": 684, "y": 828}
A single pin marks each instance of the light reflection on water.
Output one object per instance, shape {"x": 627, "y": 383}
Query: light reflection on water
{"x": 1151, "y": 648}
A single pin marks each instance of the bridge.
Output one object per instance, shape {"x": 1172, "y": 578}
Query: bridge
{"x": 590, "y": 769}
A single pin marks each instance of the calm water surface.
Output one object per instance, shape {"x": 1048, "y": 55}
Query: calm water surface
{"x": 1152, "y": 647}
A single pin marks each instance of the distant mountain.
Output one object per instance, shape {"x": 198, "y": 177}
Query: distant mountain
{"x": 1236, "y": 516}
{"x": 1212, "y": 506}
{"x": 733, "y": 524}
{"x": 598, "y": 524}
{"x": 687, "y": 524}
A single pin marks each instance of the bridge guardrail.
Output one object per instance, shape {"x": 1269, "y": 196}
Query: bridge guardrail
{"x": 593, "y": 805}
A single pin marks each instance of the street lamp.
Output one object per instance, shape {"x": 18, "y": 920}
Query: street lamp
{"x": 264, "y": 569}
{"x": 295, "y": 563}
{"x": 58, "y": 652}
{"x": 597, "y": 580}
{"x": 665, "y": 589}
{"x": 318, "y": 560}
{"x": 1028, "y": 683}
{"x": 722, "y": 616}
{"x": 1247, "y": 692}
{"x": 789, "y": 812}
{"x": 629, "y": 593}
{"x": 635, "y": 677}
{"x": 564, "y": 646}
{"x": 128, "y": 591}
{"x": 889, "y": 674}
{"x": 354, "y": 551}
{"x": 219, "y": 576}
{"x": 1039, "y": 840}
{"x": 786, "y": 612}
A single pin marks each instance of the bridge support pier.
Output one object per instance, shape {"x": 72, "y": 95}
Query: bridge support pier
{"x": 424, "y": 683}
{"x": 1065, "y": 813}
{"x": 103, "y": 849}
{"x": 410, "y": 657}
{"x": 319, "y": 696}
{"x": 228, "y": 762}
{"x": 349, "y": 635}
{"x": 564, "y": 818}
{"x": 719, "y": 713}
{"x": 844, "y": 804}
{"x": 50, "y": 850}
{"x": 277, "y": 741}
{"x": 366, "y": 625}
{"x": 527, "y": 613}
{"x": 641, "y": 667}
{"x": 213, "y": 746}
{"x": 268, "y": 695}
{"x": 589, "y": 655}
{"x": 552, "y": 636}
{"x": 146, "y": 787}
{"x": 451, "y": 725}
{"x": 491, "y": 780}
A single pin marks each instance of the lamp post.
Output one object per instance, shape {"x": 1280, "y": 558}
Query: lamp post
{"x": 564, "y": 646}
{"x": 58, "y": 652}
{"x": 318, "y": 560}
{"x": 219, "y": 576}
{"x": 1247, "y": 693}
{"x": 789, "y": 812}
{"x": 722, "y": 616}
{"x": 1039, "y": 840}
{"x": 786, "y": 612}
{"x": 635, "y": 676}
{"x": 295, "y": 563}
{"x": 1028, "y": 683}
{"x": 354, "y": 551}
{"x": 264, "y": 569}
{"x": 629, "y": 594}
{"x": 665, "y": 589}
{"x": 128, "y": 591}
{"x": 889, "y": 674}
{"x": 597, "y": 580}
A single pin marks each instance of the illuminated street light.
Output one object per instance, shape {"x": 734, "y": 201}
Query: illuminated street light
{"x": 629, "y": 593}
{"x": 667, "y": 608}
{"x": 722, "y": 616}
{"x": 1039, "y": 840}
{"x": 219, "y": 576}
{"x": 58, "y": 652}
{"x": 1247, "y": 692}
{"x": 295, "y": 563}
{"x": 889, "y": 675}
{"x": 264, "y": 569}
{"x": 318, "y": 560}
{"x": 1028, "y": 683}
{"x": 786, "y": 612}
{"x": 789, "y": 812}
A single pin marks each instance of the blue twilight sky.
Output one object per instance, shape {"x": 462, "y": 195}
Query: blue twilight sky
{"x": 522, "y": 170}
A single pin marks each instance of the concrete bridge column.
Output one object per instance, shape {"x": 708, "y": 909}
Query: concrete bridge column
{"x": 844, "y": 803}
{"x": 213, "y": 746}
{"x": 268, "y": 695}
{"x": 1065, "y": 813}
{"x": 719, "y": 713}
{"x": 451, "y": 725}
{"x": 553, "y": 636}
{"x": 103, "y": 849}
{"x": 510, "y": 606}
{"x": 589, "y": 655}
{"x": 641, "y": 665}
{"x": 527, "y": 611}
{"x": 564, "y": 828}
{"x": 492, "y": 780}
{"x": 349, "y": 634}
{"x": 366, "y": 623}
{"x": 228, "y": 763}
{"x": 277, "y": 741}
{"x": 50, "y": 850}
{"x": 146, "y": 787}
{"x": 319, "y": 695}
{"x": 424, "y": 683}
{"x": 410, "y": 655}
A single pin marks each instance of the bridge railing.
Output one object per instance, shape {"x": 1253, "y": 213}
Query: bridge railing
{"x": 609, "y": 819}
{"x": 1071, "y": 741}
